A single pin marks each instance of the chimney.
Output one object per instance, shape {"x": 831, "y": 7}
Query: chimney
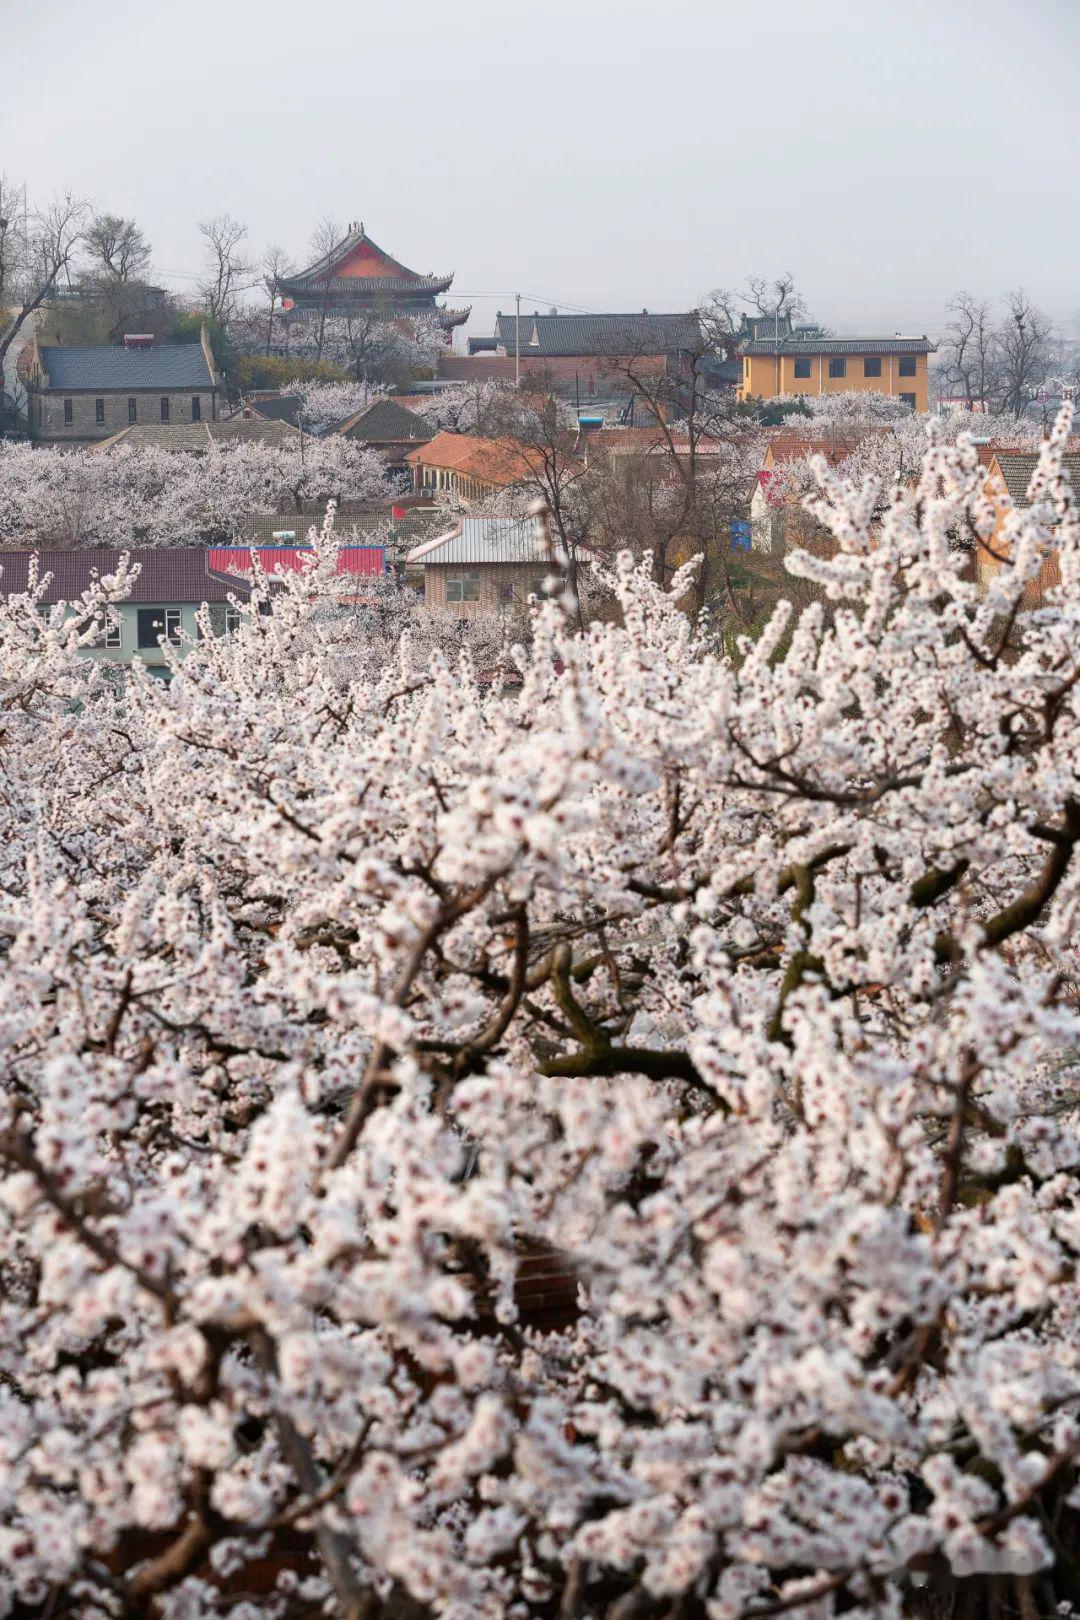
{"x": 139, "y": 340}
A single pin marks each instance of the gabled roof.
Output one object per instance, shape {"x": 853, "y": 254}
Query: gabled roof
{"x": 835, "y": 447}
{"x": 358, "y": 259}
{"x": 484, "y": 540}
{"x": 1017, "y": 469}
{"x": 551, "y": 336}
{"x": 174, "y": 574}
{"x": 110, "y": 366}
{"x": 497, "y": 462}
{"x": 199, "y": 436}
{"x": 384, "y": 421}
{"x": 273, "y": 408}
{"x": 846, "y": 345}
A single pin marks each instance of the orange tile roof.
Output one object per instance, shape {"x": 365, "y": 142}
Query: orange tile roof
{"x": 498, "y": 462}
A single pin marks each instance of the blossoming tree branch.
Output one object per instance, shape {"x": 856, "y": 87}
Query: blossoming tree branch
{"x": 597, "y": 1142}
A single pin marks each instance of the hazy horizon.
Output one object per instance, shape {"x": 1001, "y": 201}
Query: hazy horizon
{"x": 617, "y": 158}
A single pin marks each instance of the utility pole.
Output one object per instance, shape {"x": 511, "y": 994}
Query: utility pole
{"x": 517, "y": 340}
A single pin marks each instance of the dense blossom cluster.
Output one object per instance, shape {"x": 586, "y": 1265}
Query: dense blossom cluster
{"x": 336, "y": 1003}
{"x": 74, "y": 498}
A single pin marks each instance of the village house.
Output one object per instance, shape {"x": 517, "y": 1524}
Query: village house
{"x": 482, "y": 565}
{"x": 1008, "y": 479}
{"x": 469, "y": 466}
{"x": 80, "y": 394}
{"x": 805, "y": 362}
{"x": 386, "y": 427}
{"x": 580, "y": 355}
{"x": 196, "y": 438}
{"x": 171, "y": 586}
{"x": 359, "y": 278}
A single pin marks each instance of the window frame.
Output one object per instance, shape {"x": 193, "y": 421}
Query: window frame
{"x": 907, "y": 365}
{"x": 168, "y": 626}
{"x": 910, "y": 400}
{"x": 463, "y": 585}
{"x": 837, "y": 367}
{"x": 800, "y": 374}
{"x": 164, "y": 407}
{"x": 196, "y": 407}
{"x": 871, "y": 366}
{"x": 99, "y": 412}
{"x": 69, "y": 412}
{"x": 133, "y": 408}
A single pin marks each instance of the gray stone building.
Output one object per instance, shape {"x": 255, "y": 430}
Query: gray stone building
{"x": 80, "y": 394}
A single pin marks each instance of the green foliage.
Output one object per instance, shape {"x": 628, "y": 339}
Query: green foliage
{"x": 187, "y": 325}
{"x": 277, "y": 371}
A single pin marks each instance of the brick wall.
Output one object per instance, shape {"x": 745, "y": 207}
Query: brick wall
{"x": 504, "y": 587}
{"x": 48, "y": 426}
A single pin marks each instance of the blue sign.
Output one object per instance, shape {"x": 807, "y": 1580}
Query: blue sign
{"x": 740, "y": 534}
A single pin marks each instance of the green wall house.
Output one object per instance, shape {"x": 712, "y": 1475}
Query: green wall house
{"x": 165, "y": 597}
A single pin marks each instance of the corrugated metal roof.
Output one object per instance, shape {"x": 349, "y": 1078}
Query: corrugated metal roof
{"x": 847, "y": 345}
{"x": 484, "y": 540}
{"x": 111, "y": 366}
{"x": 287, "y": 559}
{"x": 174, "y": 575}
{"x": 568, "y": 335}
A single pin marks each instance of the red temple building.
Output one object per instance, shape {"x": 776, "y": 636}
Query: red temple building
{"x": 358, "y": 276}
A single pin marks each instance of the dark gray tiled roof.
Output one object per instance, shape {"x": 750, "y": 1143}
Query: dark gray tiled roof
{"x": 568, "y": 335}
{"x": 111, "y": 366}
{"x": 1018, "y": 469}
{"x": 168, "y": 574}
{"x": 848, "y": 345}
{"x": 384, "y": 421}
{"x": 279, "y": 408}
{"x": 199, "y": 436}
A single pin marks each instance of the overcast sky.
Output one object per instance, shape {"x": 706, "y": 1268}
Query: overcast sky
{"x": 605, "y": 155}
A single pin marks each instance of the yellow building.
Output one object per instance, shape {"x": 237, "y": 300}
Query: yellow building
{"x": 805, "y": 364}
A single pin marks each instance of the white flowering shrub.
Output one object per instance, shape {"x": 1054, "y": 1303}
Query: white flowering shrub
{"x": 604, "y": 1144}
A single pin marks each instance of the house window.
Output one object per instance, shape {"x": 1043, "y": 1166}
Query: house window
{"x": 837, "y": 368}
{"x": 196, "y": 408}
{"x": 133, "y": 409}
{"x": 802, "y": 368}
{"x": 906, "y": 367}
{"x": 908, "y": 399}
{"x": 158, "y": 624}
{"x": 463, "y": 587}
{"x": 107, "y": 626}
{"x": 69, "y": 412}
{"x": 232, "y": 621}
{"x": 508, "y": 591}
{"x": 871, "y": 368}
{"x": 99, "y": 411}
{"x": 164, "y": 407}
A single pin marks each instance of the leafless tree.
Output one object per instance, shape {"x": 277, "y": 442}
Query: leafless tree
{"x": 117, "y": 250}
{"x": 966, "y": 356}
{"x": 274, "y": 265}
{"x": 1022, "y": 343}
{"x": 776, "y": 297}
{"x": 324, "y": 239}
{"x": 37, "y": 247}
{"x": 228, "y": 270}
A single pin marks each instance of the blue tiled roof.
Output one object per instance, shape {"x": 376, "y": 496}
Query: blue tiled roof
{"x": 110, "y": 366}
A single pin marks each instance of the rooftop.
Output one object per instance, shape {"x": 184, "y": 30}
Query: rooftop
{"x": 199, "y": 436}
{"x": 167, "y": 574}
{"x": 112, "y": 366}
{"x": 840, "y": 345}
{"x": 497, "y": 462}
{"x": 1018, "y": 467}
{"x": 384, "y": 421}
{"x": 484, "y": 540}
{"x": 641, "y": 333}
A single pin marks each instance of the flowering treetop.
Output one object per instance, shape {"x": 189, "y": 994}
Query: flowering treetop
{"x": 334, "y": 999}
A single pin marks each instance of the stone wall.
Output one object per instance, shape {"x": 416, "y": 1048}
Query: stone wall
{"x": 48, "y": 424}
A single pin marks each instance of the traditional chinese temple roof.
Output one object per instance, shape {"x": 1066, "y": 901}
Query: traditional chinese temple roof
{"x": 359, "y": 265}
